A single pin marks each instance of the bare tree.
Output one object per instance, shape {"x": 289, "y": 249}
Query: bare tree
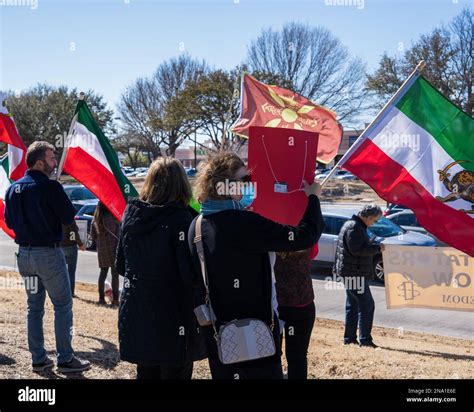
{"x": 316, "y": 65}
{"x": 208, "y": 105}
{"x": 448, "y": 53}
{"x": 138, "y": 105}
{"x": 462, "y": 29}
{"x": 143, "y": 105}
{"x": 435, "y": 49}
{"x": 132, "y": 147}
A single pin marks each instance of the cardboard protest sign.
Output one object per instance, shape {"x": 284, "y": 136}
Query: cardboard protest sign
{"x": 428, "y": 277}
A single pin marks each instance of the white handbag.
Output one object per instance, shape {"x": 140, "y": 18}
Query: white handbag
{"x": 239, "y": 340}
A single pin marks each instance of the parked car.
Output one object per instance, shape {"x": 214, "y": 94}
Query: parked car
{"x": 86, "y": 212}
{"x": 339, "y": 174}
{"x": 78, "y": 192}
{"x": 383, "y": 231}
{"x": 78, "y": 195}
{"x": 408, "y": 221}
{"x": 321, "y": 171}
{"x": 191, "y": 172}
{"x": 345, "y": 175}
{"x": 393, "y": 208}
{"x": 129, "y": 171}
{"x": 321, "y": 176}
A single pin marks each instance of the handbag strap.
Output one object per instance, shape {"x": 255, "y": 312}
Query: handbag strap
{"x": 202, "y": 259}
{"x": 112, "y": 233}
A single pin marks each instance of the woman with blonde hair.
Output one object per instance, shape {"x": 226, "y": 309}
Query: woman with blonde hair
{"x": 236, "y": 243}
{"x": 157, "y": 325}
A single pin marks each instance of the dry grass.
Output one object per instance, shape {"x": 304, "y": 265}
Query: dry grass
{"x": 413, "y": 355}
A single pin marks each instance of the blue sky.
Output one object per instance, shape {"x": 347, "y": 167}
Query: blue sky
{"x": 106, "y": 44}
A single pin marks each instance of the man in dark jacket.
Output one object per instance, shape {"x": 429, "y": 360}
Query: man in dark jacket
{"x": 354, "y": 262}
{"x": 35, "y": 209}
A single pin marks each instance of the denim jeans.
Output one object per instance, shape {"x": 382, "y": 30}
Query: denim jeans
{"x": 44, "y": 270}
{"x": 70, "y": 253}
{"x": 360, "y": 308}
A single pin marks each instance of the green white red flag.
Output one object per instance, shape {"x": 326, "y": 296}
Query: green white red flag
{"x": 90, "y": 159}
{"x": 12, "y": 164}
{"x": 420, "y": 154}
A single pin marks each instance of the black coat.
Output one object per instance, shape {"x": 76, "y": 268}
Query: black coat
{"x": 157, "y": 324}
{"x": 236, "y": 246}
{"x": 354, "y": 252}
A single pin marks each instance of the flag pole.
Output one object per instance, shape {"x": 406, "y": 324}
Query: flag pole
{"x": 416, "y": 72}
{"x": 68, "y": 138}
{"x": 228, "y": 116}
{"x": 242, "y": 74}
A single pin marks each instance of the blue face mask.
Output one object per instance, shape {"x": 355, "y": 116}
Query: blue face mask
{"x": 247, "y": 198}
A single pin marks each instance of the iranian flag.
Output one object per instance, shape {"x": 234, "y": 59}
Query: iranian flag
{"x": 16, "y": 147}
{"x": 91, "y": 160}
{"x": 5, "y": 183}
{"x": 420, "y": 153}
{"x": 12, "y": 164}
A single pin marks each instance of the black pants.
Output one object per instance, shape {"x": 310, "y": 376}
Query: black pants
{"x": 115, "y": 282}
{"x": 266, "y": 368}
{"x": 165, "y": 371}
{"x": 299, "y": 323}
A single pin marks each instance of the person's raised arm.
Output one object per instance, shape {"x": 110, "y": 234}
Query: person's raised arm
{"x": 256, "y": 233}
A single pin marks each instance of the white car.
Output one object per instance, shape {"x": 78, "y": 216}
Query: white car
{"x": 345, "y": 175}
{"x": 339, "y": 174}
{"x": 384, "y": 230}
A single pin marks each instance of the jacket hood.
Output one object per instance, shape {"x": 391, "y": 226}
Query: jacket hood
{"x": 143, "y": 217}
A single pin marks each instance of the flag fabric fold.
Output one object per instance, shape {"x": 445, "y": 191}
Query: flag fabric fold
{"x": 420, "y": 154}
{"x": 271, "y": 106}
